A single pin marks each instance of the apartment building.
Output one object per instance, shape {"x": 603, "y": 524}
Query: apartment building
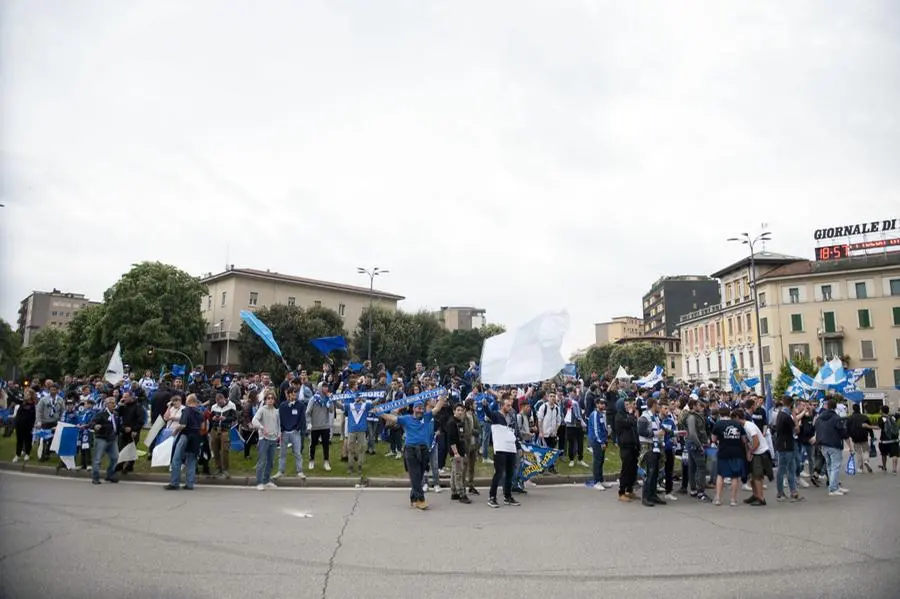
{"x": 238, "y": 289}
{"x": 461, "y": 318}
{"x": 712, "y": 334}
{"x": 847, "y": 308}
{"x": 618, "y": 328}
{"x": 48, "y": 309}
{"x": 670, "y": 298}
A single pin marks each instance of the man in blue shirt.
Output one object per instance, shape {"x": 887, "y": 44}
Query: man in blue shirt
{"x": 419, "y": 428}
{"x": 597, "y": 435}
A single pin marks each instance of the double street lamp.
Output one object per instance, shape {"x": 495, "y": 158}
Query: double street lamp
{"x": 752, "y": 242}
{"x": 372, "y": 274}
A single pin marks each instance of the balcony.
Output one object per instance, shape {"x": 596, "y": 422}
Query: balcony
{"x": 215, "y": 333}
{"x": 837, "y": 333}
{"x": 702, "y": 312}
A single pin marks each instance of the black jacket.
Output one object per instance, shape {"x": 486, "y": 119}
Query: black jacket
{"x": 830, "y": 430}
{"x": 132, "y": 415}
{"x": 455, "y": 430}
{"x": 855, "y": 425}
{"x": 25, "y": 418}
{"x": 626, "y": 430}
{"x": 784, "y": 432}
{"x": 107, "y": 431}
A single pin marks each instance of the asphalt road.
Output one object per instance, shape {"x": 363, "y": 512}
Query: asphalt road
{"x": 67, "y": 538}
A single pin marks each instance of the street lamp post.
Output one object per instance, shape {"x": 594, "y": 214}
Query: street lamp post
{"x": 372, "y": 274}
{"x": 751, "y": 243}
{"x": 173, "y": 351}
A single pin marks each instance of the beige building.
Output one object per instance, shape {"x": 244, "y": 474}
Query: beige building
{"x": 238, "y": 289}
{"x": 714, "y": 333}
{"x": 619, "y": 327}
{"x": 48, "y": 309}
{"x": 672, "y": 347}
{"x": 846, "y": 308}
{"x": 461, "y": 318}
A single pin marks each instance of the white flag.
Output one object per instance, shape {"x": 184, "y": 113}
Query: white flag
{"x": 528, "y": 354}
{"x": 115, "y": 371}
{"x": 128, "y": 453}
{"x": 162, "y": 453}
{"x": 154, "y": 430}
{"x": 622, "y": 374}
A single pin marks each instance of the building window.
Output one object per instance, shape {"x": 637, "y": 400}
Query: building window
{"x": 895, "y": 286}
{"x": 864, "y": 321}
{"x": 741, "y": 360}
{"x": 897, "y": 377}
{"x": 897, "y": 343}
{"x": 342, "y": 309}
{"x": 794, "y": 295}
{"x": 730, "y": 327}
{"x": 830, "y": 324}
{"x": 694, "y": 306}
{"x": 870, "y": 381}
{"x": 209, "y": 302}
{"x": 673, "y": 365}
{"x": 749, "y": 324}
{"x": 698, "y": 365}
{"x": 708, "y": 365}
{"x": 317, "y": 303}
{"x": 254, "y": 298}
{"x": 292, "y": 301}
{"x": 834, "y": 348}
{"x": 798, "y": 349}
{"x": 766, "y": 355}
{"x": 750, "y": 357}
{"x": 738, "y": 319}
{"x": 826, "y": 293}
{"x": 764, "y": 326}
{"x": 796, "y": 323}
{"x": 224, "y": 297}
{"x": 896, "y": 313}
{"x": 694, "y": 292}
{"x": 861, "y": 291}
{"x": 867, "y": 349}
{"x": 762, "y": 300}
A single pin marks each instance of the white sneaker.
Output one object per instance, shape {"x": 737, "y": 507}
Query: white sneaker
{"x": 804, "y": 474}
{"x": 327, "y": 467}
{"x": 842, "y": 489}
{"x": 301, "y": 476}
{"x": 442, "y": 471}
{"x": 437, "y": 488}
{"x": 398, "y": 456}
{"x": 389, "y": 454}
{"x": 803, "y": 483}
{"x": 671, "y": 497}
{"x": 15, "y": 459}
{"x": 599, "y": 487}
{"x": 765, "y": 486}
{"x": 27, "y": 457}
{"x": 837, "y": 493}
{"x": 487, "y": 461}
{"x": 271, "y": 486}
{"x": 312, "y": 466}
{"x": 583, "y": 464}
{"x": 277, "y": 475}
{"x": 260, "y": 487}
{"x": 590, "y": 450}
{"x": 572, "y": 464}
{"x": 728, "y": 481}
{"x": 746, "y": 487}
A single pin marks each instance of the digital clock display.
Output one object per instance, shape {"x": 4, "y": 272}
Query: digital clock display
{"x": 832, "y": 252}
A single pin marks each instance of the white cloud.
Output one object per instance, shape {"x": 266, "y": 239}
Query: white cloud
{"x": 514, "y": 156}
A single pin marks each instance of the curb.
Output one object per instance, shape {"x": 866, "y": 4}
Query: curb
{"x": 319, "y": 482}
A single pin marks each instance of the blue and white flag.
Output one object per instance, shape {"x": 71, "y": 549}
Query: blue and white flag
{"x": 342, "y": 397}
{"x": 737, "y": 381}
{"x": 536, "y": 460}
{"x": 831, "y": 375}
{"x": 795, "y": 389}
{"x": 850, "y": 389}
{"x": 326, "y": 345}
{"x": 653, "y": 377}
{"x": 801, "y": 378}
{"x": 407, "y": 401}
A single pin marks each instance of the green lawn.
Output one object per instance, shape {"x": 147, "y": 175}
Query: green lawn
{"x": 376, "y": 466}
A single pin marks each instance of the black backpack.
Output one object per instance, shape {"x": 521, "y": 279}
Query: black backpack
{"x": 889, "y": 431}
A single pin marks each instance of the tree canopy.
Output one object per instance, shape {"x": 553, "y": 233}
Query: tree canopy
{"x": 44, "y": 356}
{"x": 10, "y": 347}
{"x": 786, "y": 375}
{"x": 398, "y": 338}
{"x": 293, "y": 328}
{"x": 596, "y": 359}
{"x": 458, "y": 347}
{"x": 637, "y": 358}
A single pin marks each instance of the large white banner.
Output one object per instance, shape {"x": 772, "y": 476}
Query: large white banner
{"x": 527, "y": 354}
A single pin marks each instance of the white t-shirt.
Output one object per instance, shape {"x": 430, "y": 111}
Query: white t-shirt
{"x": 753, "y": 431}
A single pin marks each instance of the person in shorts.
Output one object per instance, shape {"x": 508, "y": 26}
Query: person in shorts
{"x": 732, "y": 454}
{"x": 759, "y": 458}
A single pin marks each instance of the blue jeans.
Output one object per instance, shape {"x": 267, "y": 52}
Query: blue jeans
{"x": 807, "y": 454}
{"x": 111, "y": 449}
{"x": 485, "y": 439}
{"x": 179, "y": 457}
{"x": 435, "y": 475}
{"x": 265, "y": 461}
{"x": 372, "y": 430}
{"x": 834, "y": 457}
{"x": 787, "y": 465}
{"x": 295, "y": 438}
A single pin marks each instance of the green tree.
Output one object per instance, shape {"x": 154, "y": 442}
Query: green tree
{"x": 785, "y": 377}
{"x": 398, "y": 338}
{"x": 595, "y": 359}
{"x": 293, "y": 328}
{"x": 153, "y": 305}
{"x": 637, "y": 358}
{"x": 44, "y": 357}
{"x": 84, "y": 351}
{"x": 458, "y": 347}
{"x": 10, "y": 348}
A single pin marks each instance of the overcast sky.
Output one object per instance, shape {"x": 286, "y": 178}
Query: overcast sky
{"x": 516, "y": 156}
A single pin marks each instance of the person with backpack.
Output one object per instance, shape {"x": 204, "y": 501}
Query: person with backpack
{"x": 889, "y": 440}
{"x": 860, "y": 430}
{"x": 831, "y": 434}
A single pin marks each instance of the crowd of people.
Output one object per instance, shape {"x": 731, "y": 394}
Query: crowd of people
{"x": 720, "y": 438}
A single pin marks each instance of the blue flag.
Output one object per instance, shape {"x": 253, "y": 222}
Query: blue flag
{"x": 536, "y": 460}
{"x": 326, "y": 345}
{"x": 178, "y": 369}
{"x": 237, "y": 443}
{"x": 355, "y": 366}
{"x": 264, "y": 333}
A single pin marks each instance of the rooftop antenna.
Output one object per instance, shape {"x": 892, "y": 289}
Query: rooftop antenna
{"x": 764, "y": 227}
{"x": 227, "y": 254}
